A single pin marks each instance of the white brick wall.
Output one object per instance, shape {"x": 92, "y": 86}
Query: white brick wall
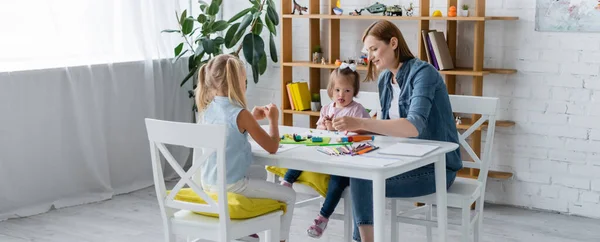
{"x": 554, "y": 98}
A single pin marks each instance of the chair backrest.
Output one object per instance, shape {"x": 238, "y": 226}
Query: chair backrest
{"x": 188, "y": 135}
{"x": 369, "y": 100}
{"x": 486, "y": 107}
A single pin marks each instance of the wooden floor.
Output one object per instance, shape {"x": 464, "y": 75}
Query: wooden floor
{"x": 135, "y": 217}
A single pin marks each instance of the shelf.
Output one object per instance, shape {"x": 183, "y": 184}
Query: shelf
{"x": 414, "y": 18}
{"x": 310, "y": 113}
{"x": 459, "y": 71}
{"x": 465, "y": 173}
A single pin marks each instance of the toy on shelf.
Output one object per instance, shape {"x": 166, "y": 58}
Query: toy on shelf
{"x": 437, "y": 13}
{"x": 394, "y": 10}
{"x": 363, "y": 60}
{"x": 323, "y": 61}
{"x": 452, "y": 11}
{"x": 299, "y": 8}
{"x": 373, "y": 9}
{"x": 338, "y": 8}
{"x": 409, "y": 10}
{"x": 338, "y": 62}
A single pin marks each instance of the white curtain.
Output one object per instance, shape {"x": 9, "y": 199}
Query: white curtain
{"x": 77, "y": 79}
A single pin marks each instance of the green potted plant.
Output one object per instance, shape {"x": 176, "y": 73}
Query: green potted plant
{"x": 464, "y": 12}
{"x": 317, "y": 54}
{"x": 315, "y": 104}
{"x": 203, "y": 37}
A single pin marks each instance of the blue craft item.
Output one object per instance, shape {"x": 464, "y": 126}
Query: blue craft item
{"x": 317, "y": 139}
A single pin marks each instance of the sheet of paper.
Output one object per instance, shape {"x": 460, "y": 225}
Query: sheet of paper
{"x": 365, "y": 161}
{"x": 282, "y": 148}
{"x": 407, "y": 149}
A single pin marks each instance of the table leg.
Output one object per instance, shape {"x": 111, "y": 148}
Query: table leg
{"x": 379, "y": 208}
{"x": 441, "y": 196}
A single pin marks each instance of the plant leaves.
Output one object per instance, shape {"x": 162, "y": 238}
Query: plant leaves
{"x": 219, "y": 25}
{"x": 255, "y": 72}
{"x": 213, "y": 9}
{"x": 262, "y": 64}
{"x": 188, "y": 25}
{"x": 239, "y": 15}
{"x": 243, "y": 25}
{"x": 182, "y": 17}
{"x": 180, "y": 55}
{"x": 258, "y": 27}
{"x": 271, "y": 3}
{"x": 229, "y": 36}
{"x": 254, "y": 48}
{"x": 202, "y": 3}
{"x": 209, "y": 46}
{"x": 270, "y": 25}
{"x": 272, "y": 48}
{"x": 178, "y": 49}
{"x": 272, "y": 13}
{"x": 191, "y": 63}
{"x": 201, "y": 18}
{"x": 218, "y": 41}
{"x": 199, "y": 50}
{"x": 189, "y": 75}
{"x": 170, "y": 31}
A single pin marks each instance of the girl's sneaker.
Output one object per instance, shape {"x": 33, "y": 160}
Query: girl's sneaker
{"x": 287, "y": 184}
{"x": 317, "y": 229}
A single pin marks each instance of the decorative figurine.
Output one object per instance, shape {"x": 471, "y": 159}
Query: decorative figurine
{"x": 338, "y": 62}
{"x": 452, "y": 11}
{"x": 394, "y": 10}
{"x": 409, "y": 10}
{"x": 375, "y": 8}
{"x": 323, "y": 62}
{"x": 299, "y": 8}
{"x": 338, "y": 8}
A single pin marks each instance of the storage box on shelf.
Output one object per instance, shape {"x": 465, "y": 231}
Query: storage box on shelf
{"x": 477, "y": 71}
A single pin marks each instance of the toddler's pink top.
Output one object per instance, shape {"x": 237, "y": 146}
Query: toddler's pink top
{"x": 353, "y": 109}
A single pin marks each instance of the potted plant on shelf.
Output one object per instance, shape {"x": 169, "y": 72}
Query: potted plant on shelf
{"x": 464, "y": 12}
{"x": 317, "y": 54}
{"x": 315, "y": 104}
{"x": 204, "y": 36}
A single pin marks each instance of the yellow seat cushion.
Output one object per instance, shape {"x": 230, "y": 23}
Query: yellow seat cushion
{"x": 240, "y": 207}
{"x": 317, "y": 181}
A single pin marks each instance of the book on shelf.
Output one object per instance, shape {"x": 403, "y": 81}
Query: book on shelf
{"x": 438, "y": 53}
{"x": 299, "y": 96}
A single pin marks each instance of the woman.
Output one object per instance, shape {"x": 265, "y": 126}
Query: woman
{"x": 415, "y": 103}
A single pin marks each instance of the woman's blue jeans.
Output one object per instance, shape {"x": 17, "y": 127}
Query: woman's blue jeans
{"x": 335, "y": 188}
{"x": 415, "y": 183}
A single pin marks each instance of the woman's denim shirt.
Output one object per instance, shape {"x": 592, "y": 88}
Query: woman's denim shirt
{"x": 424, "y": 102}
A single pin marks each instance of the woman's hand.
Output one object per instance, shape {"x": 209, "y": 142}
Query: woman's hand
{"x": 347, "y": 123}
{"x": 329, "y": 125}
{"x": 259, "y": 113}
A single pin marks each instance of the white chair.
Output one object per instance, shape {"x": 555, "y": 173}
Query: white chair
{"x": 178, "y": 218}
{"x": 464, "y": 191}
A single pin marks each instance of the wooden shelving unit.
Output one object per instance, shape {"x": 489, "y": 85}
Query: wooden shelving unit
{"x": 477, "y": 71}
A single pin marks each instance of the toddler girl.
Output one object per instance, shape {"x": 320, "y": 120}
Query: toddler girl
{"x": 344, "y": 84}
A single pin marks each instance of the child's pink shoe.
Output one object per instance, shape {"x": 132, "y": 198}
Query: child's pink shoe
{"x": 317, "y": 229}
{"x": 287, "y": 184}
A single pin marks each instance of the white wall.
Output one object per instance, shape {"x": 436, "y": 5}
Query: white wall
{"x": 554, "y": 149}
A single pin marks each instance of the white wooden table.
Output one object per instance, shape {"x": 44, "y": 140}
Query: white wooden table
{"x": 307, "y": 158}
